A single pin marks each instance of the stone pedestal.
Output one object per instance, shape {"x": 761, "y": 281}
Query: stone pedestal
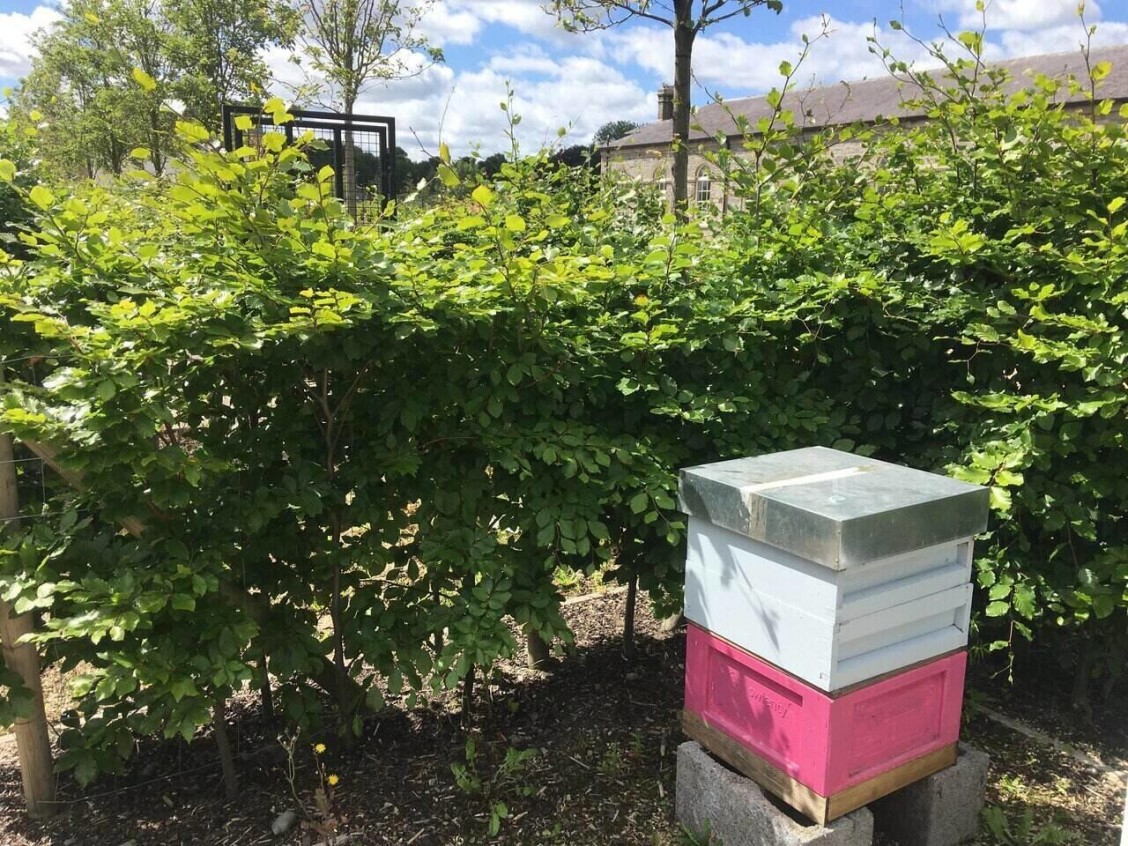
{"x": 710, "y": 797}
{"x": 940, "y": 810}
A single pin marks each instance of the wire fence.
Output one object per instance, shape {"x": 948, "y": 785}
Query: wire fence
{"x": 32, "y": 491}
{"x": 359, "y": 148}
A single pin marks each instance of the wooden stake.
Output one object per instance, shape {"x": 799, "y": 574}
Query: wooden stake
{"x": 33, "y": 743}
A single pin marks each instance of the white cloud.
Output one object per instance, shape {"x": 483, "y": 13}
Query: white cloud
{"x": 16, "y": 30}
{"x": 462, "y": 108}
{"x": 1022, "y": 15}
{"x": 527, "y": 16}
{"x": 1061, "y": 39}
{"x": 728, "y": 64}
{"x": 527, "y": 58}
{"x": 578, "y": 94}
{"x": 446, "y": 24}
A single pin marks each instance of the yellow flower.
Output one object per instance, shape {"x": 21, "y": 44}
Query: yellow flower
{"x": 319, "y": 748}
{"x": 332, "y": 780}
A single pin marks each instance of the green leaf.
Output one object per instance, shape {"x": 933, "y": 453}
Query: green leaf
{"x": 997, "y": 609}
{"x": 1024, "y": 601}
{"x": 276, "y": 108}
{"x": 86, "y": 770}
{"x": 7, "y": 170}
{"x": 515, "y": 223}
{"x": 483, "y": 196}
{"x": 183, "y": 602}
{"x": 999, "y": 591}
{"x": 1008, "y": 478}
{"x": 639, "y": 502}
{"x": 999, "y": 498}
{"x": 143, "y": 79}
{"x": 41, "y": 197}
{"x": 192, "y": 132}
{"x": 448, "y": 176}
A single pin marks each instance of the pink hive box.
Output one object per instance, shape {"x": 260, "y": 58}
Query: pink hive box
{"x": 824, "y": 754}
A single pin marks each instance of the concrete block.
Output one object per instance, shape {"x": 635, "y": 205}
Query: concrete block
{"x": 737, "y": 813}
{"x": 939, "y": 810}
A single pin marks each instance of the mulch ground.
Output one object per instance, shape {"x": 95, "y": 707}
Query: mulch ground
{"x": 591, "y": 748}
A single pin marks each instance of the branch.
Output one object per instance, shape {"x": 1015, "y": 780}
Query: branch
{"x": 705, "y": 19}
{"x": 578, "y": 14}
{"x": 625, "y": 5}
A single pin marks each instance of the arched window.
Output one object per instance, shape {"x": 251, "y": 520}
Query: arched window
{"x": 703, "y": 186}
{"x": 662, "y": 180}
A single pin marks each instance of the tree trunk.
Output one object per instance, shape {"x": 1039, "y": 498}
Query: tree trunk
{"x": 349, "y": 158}
{"x": 536, "y": 650}
{"x": 33, "y": 743}
{"x": 629, "y": 618}
{"x": 684, "y": 35}
{"x": 226, "y": 755}
{"x": 437, "y": 598}
{"x": 265, "y": 690}
{"x": 351, "y": 187}
{"x": 467, "y": 715}
{"x": 1079, "y": 697}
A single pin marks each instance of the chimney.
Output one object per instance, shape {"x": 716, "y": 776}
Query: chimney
{"x": 666, "y": 102}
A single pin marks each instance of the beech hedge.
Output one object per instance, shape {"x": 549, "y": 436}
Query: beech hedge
{"x": 358, "y": 450}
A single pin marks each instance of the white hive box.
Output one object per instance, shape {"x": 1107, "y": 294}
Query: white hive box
{"x": 834, "y": 567}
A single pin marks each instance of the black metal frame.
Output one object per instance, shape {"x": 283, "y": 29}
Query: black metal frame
{"x": 382, "y": 127}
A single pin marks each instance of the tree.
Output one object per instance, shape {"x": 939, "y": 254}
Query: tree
{"x": 353, "y": 42}
{"x": 80, "y": 83}
{"x": 217, "y": 46}
{"x": 686, "y": 18}
{"x": 97, "y": 107}
{"x": 613, "y": 130}
{"x": 15, "y": 146}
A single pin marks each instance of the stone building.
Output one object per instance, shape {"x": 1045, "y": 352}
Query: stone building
{"x": 645, "y": 154}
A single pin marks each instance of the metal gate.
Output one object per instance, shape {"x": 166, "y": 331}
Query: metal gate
{"x": 360, "y": 149}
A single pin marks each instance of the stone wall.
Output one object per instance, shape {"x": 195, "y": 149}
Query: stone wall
{"x": 653, "y": 165}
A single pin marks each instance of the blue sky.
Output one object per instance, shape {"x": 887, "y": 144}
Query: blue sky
{"x": 578, "y": 82}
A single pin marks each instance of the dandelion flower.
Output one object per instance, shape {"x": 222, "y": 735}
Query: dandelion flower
{"x": 319, "y": 748}
{"x": 332, "y": 780}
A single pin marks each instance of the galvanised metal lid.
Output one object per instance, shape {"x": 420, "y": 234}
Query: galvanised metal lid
{"x": 833, "y": 508}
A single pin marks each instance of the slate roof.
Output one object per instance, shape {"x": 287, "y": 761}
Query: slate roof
{"x": 868, "y": 100}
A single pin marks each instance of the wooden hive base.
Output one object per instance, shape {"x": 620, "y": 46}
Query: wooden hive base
{"x": 821, "y": 809}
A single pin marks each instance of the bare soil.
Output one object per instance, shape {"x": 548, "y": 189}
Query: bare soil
{"x": 601, "y": 735}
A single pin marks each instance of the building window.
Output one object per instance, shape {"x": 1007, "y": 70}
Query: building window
{"x": 704, "y": 187}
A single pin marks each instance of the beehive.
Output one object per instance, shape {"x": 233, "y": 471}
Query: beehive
{"x": 828, "y": 596}
{"x": 825, "y": 754}
{"x": 834, "y": 567}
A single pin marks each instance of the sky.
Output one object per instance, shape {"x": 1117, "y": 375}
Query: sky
{"x": 578, "y": 82}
